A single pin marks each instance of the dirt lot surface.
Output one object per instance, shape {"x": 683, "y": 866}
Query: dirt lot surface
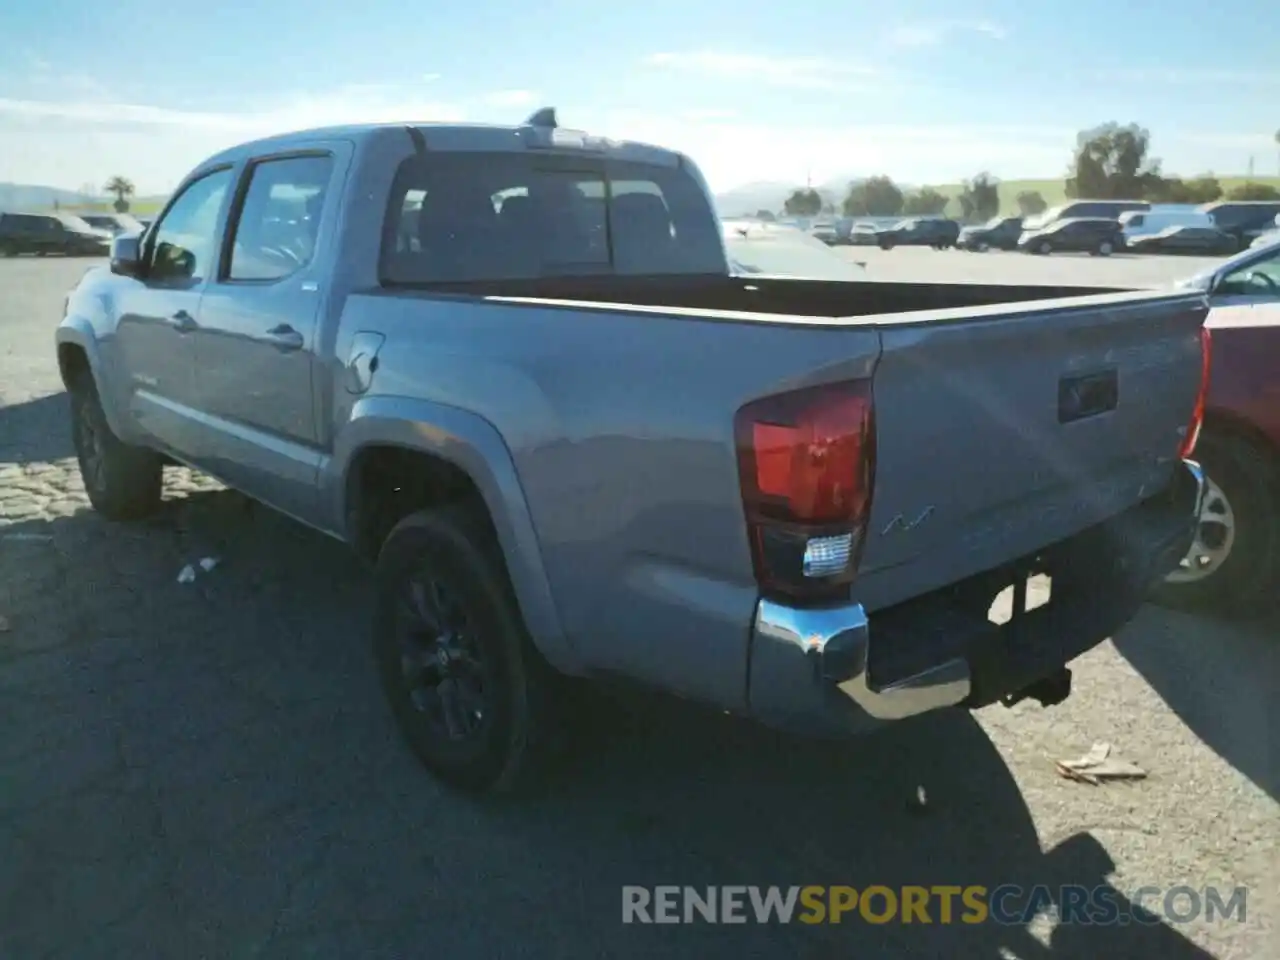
{"x": 207, "y": 769}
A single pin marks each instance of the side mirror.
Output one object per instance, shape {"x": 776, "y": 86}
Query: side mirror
{"x": 126, "y": 256}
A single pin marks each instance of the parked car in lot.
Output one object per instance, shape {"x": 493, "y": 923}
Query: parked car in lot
{"x": 1084, "y": 209}
{"x": 1195, "y": 241}
{"x": 936, "y": 232}
{"x": 1146, "y": 223}
{"x": 864, "y": 234}
{"x": 825, "y": 231}
{"x": 570, "y": 440}
{"x": 770, "y": 249}
{"x": 50, "y": 233}
{"x": 1097, "y": 236}
{"x": 1244, "y": 219}
{"x": 1234, "y": 564}
{"x": 112, "y": 223}
{"x": 999, "y": 232}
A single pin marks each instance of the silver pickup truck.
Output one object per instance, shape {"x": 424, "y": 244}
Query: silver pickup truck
{"x": 510, "y": 367}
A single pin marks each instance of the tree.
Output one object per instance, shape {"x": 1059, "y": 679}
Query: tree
{"x": 765, "y": 215}
{"x": 1202, "y": 189}
{"x": 1253, "y": 191}
{"x": 1030, "y": 202}
{"x": 980, "y": 198}
{"x": 873, "y": 197}
{"x": 123, "y": 188}
{"x": 925, "y": 202}
{"x": 1111, "y": 163}
{"x": 803, "y": 203}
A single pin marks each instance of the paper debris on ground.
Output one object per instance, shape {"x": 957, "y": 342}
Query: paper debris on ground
{"x": 187, "y": 574}
{"x": 208, "y": 563}
{"x": 1098, "y": 765}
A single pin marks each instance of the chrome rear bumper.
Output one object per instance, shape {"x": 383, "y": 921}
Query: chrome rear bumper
{"x": 814, "y": 669}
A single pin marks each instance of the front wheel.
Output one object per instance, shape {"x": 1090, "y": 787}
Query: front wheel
{"x": 465, "y": 684}
{"x": 1044, "y": 249}
{"x": 1235, "y": 558}
{"x": 123, "y": 482}
{"x": 1105, "y": 248}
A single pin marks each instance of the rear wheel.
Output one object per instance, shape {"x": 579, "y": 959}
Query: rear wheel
{"x": 1106, "y": 248}
{"x": 1044, "y": 248}
{"x": 465, "y": 684}
{"x": 123, "y": 482}
{"x": 1234, "y": 561}
{"x": 982, "y": 246}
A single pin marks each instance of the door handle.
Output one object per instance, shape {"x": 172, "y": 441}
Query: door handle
{"x": 183, "y": 322}
{"x": 285, "y": 337}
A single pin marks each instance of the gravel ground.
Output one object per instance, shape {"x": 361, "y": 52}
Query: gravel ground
{"x": 207, "y": 770}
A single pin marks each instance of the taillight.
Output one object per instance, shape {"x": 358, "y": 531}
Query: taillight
{"x": 1188, "y": 445}
{"x": 806, "y": 465}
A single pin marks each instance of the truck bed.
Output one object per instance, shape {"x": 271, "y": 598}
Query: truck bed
{"x": 774, "y": 296}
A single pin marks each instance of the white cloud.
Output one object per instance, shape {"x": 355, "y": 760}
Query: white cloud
{"x": 65, "y": 142}
{"x": 931, "y": 33}
{"x": 1188, "y": 75}
{"x": 734, "y": 152}
{"x": 801, "y": 72}
{"x": 511, "y": 98}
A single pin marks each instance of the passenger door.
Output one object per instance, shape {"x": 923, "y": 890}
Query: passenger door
{"x": 257, "y": 346}
{"x": 158, "y": 312}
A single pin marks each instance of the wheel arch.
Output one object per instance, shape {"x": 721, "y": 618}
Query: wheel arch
{"x": 445, "y": 454}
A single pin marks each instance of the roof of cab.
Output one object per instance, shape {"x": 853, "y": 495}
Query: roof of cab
{"x": 471, "y": 137}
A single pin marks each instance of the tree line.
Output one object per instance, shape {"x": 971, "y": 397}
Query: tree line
{"x": 1110, "y": 162}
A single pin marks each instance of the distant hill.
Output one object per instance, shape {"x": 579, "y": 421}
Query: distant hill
{"x": 768, "y": 195}
{"x": 19, "y": 197}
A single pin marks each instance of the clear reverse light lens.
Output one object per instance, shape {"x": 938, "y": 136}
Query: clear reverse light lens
{"x": 827, "y": 556}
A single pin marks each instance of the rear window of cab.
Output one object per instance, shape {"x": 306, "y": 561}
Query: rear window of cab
{"x": 496, "y": 216}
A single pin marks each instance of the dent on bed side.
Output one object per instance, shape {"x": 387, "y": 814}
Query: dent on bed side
{"x": 475, "y": 446}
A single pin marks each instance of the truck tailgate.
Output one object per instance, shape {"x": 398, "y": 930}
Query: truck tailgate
{"x": 1002, "y": 434}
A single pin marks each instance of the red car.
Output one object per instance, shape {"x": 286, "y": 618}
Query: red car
{"x": 1234, "y": 566}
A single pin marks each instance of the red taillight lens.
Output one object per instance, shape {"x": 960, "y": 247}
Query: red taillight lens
{"x": 806, "y": 464}
{"x": 1188, "y": 445}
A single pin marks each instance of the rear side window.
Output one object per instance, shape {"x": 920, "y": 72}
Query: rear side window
{"x": 279, "y": 223}
{"x": 461, "y": 216}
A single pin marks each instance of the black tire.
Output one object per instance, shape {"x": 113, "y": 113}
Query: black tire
{"x": 886, "y": 244}
{"x": 1044, "y": 248}
{"x": 123, "y": 482}
{"x": 1106, "y": 248}
{"x": 1245, "y": 580}
{"x": 499, "y": 682}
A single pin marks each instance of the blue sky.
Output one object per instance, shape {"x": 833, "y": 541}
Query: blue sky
{"x": 923, "y": 90}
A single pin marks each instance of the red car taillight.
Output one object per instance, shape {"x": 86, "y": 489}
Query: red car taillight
{"x": 1188, "y": 445}
{"x": 806, "y": 465}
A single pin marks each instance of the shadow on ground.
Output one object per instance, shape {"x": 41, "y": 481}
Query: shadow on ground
{"x": 206, "y": 769}
{"x": 1198, "y": 670}
{"x": 36, "y": 430}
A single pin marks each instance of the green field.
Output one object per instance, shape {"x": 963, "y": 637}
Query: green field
{"x": 1055, "y": 191}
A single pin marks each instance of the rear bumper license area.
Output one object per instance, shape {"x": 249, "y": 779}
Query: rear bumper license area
{"x": 837, "y": 669}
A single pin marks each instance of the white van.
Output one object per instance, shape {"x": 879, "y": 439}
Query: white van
{"x": 1141, "y": 223}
